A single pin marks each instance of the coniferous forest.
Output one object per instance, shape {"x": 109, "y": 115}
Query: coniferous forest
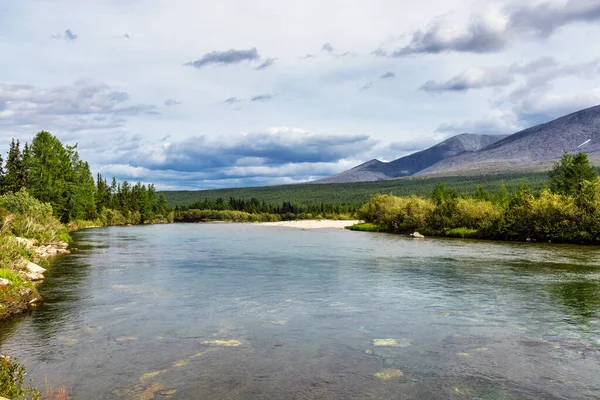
{"x": 53, "y": 173}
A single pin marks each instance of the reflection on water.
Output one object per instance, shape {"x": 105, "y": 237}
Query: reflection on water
{"x": 217, "y": 311}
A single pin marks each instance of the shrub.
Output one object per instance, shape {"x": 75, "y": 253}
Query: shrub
{"x": 381, "y": 209}
{"x": 475, "y": 214}
{"x": 413, "y": 214}
{"x": 27, "y": 217}
{"x": 12, "y": 381}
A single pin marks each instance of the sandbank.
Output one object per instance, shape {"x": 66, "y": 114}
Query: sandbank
{"x": 313, "y": 224}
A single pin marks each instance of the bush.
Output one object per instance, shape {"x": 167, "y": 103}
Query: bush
{"x": 381, "y": 209}
{"x": 27, "y": 217}
{"x": 475, "y": 214}
{"x": 12, "y": 380}
{"x": 413, "y": 214}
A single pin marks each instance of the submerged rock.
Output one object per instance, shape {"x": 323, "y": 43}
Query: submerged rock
{"x": 389, "y": 343}
{"x": 126, "y": 338}
{"x": 389, "y": 373}
{"x": 223, "y": 343}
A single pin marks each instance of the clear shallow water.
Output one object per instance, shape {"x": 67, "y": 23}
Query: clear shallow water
{"x": 127, "y": 316}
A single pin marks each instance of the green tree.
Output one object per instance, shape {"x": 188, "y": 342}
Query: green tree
{"x": 50, "y": 171}
{"x": 2, "y": 177}
{"x": 15, "y": 168}
{"x": 567, "y": 175}
{"x": 80, "y": 189}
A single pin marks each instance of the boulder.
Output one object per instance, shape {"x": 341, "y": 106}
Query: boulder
{"x": 29, "y": 243}
{"x": 31, "y": 276}
{"x": 63, "y": 251}
{"x": 34, "y": 268}
{"x": 417, "y": 235}
{"x": 4, "y": 283}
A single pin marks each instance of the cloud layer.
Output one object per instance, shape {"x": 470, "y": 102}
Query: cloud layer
{"x": 494, "y": 30}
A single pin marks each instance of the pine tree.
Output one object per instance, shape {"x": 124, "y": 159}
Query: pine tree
{"x": 15, "y": 169}
{"x": 2, "y": 177}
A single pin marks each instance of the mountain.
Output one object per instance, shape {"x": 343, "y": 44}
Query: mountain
{"x": 535, "y": 148}
{"x": 375, "y": 170}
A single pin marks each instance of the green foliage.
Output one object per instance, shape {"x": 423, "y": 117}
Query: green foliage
{"x": 28, "y": 217}
{"x": 223, "y": 215}
{"x": 382, "y": 209}
{"x": 463, "y": 233}
{"x": 353, "y": 195}
{"x": 567, "y": 175}
{"x": 17, "y": 283}
{"x": 12, "y": 252}
{"x": 366, "y": 227}
{"x": 63, "y": 183}
{"x": 12, "y": 381}
{"x": 15, "y": 178}
{"x": 526, "y": 215}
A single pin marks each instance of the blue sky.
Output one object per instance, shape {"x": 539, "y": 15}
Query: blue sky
{"x": 197, "y": 94}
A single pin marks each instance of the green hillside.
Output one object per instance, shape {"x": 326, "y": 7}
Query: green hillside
{"x": 357, "y": 193}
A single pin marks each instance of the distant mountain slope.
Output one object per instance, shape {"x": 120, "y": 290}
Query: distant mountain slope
{"x": 534, "y": 148}
{"x": 375, "y": 170}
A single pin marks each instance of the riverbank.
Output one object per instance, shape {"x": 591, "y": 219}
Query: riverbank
{"x": 21, "y": 272}
{"x": 313, "y": 224}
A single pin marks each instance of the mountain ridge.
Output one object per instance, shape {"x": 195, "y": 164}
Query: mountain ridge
{"x": 374, "y": 170}
{"x": 534, "y": 148}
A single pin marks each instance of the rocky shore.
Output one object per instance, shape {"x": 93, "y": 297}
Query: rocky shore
{"x": 19, "y": 295}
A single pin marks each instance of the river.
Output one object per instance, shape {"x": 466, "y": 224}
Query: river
{"x": 243, "y": 311}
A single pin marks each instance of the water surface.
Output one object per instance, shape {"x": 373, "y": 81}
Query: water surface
{"x": 132, "y": 313}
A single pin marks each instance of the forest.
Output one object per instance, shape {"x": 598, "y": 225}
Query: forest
{"x": 54, "y": 174}
{"x": 331, "y": 201}
{"x": 357, "y": 193}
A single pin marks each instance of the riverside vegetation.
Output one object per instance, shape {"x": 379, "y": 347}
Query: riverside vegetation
{"x": 568, "y": 210}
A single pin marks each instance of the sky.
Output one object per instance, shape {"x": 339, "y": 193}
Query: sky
{"x": 192, "y": 94}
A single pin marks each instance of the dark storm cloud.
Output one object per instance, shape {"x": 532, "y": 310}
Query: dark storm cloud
{"x": 253, "y": 150}
{"x": 225, "y": 57}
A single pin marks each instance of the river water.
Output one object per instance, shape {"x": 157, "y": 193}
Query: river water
{"x": 242, "y": 311}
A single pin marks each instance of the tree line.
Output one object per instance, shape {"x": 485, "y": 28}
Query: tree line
{"x": 53, "y": 173}
{"x": 286, "y": 210}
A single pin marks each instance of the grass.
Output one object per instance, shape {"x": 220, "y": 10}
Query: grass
{"x": 366, "y": 227}
{"x": 17, "y": 283}
{"x": 462, "y": 233}
{"x": 12, "y": 252}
